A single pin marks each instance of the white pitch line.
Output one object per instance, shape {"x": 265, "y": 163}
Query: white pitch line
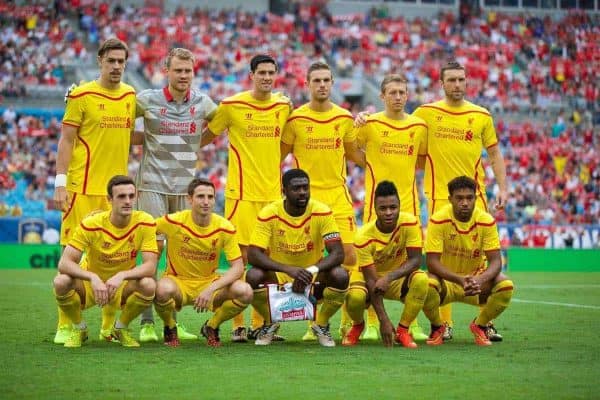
{"x": 559, "y": 286}
{"x": 553, "y": 303}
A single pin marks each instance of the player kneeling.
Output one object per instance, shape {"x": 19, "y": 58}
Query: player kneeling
{"x": 460, "y": 238}
{"x": 287, "y": 246}
{"x": 111, "y": 241}
{"x": 195, "y": 239}
{"x": 389, "y": 256}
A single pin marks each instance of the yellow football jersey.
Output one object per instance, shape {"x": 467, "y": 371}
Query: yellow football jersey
{"x": 255, "y": 129}
{"x": 298, "y": 241}
{"x": 391, "y": 148}
{"x": 462, "y": 245}
{"x": 387, "y": 251}
{"x": 456, "y": 138}
{"x": 110, "y": 249}
{"x": 105, "y": 119}
{"x": 318, "y": 144}
{"x": 192, "y": 250}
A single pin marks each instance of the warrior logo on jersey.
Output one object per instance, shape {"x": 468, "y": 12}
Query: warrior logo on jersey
{"x": 186, "y": 239}
{"x": 192, "y": 111}
{"x": 248, "y": 116}
{"x": 105, "y": 245}
{"x": 439, "y": 118}
{"x": 309, "y": 129}
{"x": 475, "y": 236}
{"x": 163, "y": 111}
{"x": 280, "y": 232}
{"x": 214, "y": 243}
{"x": 411, "y": 134}
{"x": 101, "y": 107}
{"x": 470, "y": 121}
{"x": 385, "y": 133}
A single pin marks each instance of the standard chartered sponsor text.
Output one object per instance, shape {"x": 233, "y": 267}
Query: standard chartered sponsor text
{"x": 260, "y": 131}
{"x": 320, "y": 143}
{"x": 114, "y": 121}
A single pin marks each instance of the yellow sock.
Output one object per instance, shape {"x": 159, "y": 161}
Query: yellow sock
{"x": 70, "y": 304}
{"x": 109, "y": 313}
{"x": 332, "y": 301}
{"x": 355, "y": 304}
{"x": 226, "y": 311}
{"x": 372, "y": 318}
{"x": 256, "y": 319}
{"x": 165, "y": 312}
{"x": 431, "y": 306}
{"x": 496, "y": 303}
{"x": 238, "y": 321}
{"x": 446, "y": 314}
{"x": 413, "y": 302}
{"x": 261, "y": 305}
{"x": 135, "y": 304}
{"x": 62, "y": 319}
{"x": 345, "y": 318}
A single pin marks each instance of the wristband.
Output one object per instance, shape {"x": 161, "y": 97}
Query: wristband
{"x": 60, "y": 180}
{"x": 313, "y": 269}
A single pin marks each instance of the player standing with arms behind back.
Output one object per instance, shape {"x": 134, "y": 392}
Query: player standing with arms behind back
{"x": 458, "y": 132}
{"x": 254, "y": 120}
{"x": 392, "y": 141}
{"x": 320, "y": 136}
{"x": 98, "y": 123}
{"x": 173, "y": 120}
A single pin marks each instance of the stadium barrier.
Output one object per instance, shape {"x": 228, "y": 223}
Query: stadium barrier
{"x": 36, "y": 256}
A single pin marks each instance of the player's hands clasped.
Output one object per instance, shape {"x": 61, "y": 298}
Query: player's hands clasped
{"x": 113, "y": 284}
{"x": 302, "y": 278}
{"x": 471, "y": 286}
{"x": 100, "y": 291}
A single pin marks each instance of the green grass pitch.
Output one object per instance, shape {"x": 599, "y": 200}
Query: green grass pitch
{"x": 551, "y": 350}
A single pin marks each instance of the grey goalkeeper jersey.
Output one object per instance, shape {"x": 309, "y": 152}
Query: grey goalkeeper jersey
{"x": 171, "y": 139}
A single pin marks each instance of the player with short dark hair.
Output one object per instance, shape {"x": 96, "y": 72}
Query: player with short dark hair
{"x": 389, "y": 257}
{"x": 458, "y": 132}
{"x": 463, "y": 253}
{"x": 254, "y": 120}
{"x": 320, "y": 136}
{"x": 288, "y": 242}
{"x": 111, "y": 240}
{"x": 195, "y": 238}
{"x": 98, "y": 121}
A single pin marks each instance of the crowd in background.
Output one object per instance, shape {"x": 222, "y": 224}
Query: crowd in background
{"x": 544, "y": 67}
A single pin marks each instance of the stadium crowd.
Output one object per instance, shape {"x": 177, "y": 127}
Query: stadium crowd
{"x": 515, "y": 63}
